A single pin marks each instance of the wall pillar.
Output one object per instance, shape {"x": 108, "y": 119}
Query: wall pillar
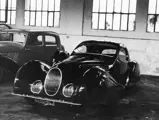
{"x": 141, "y": 15}
{"x": 20, "y": 13}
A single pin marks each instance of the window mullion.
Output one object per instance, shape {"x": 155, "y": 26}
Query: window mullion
{"x": 106, "y": 15}
{"x": 98, "y": 14}
{"x": 10, "y": 11}
{"x": 47, "y": 12}
{"x": 54, "y": 13}
{"x": 35, "y": 11}
{"x": 155, "y": 16}
{"x": 29, "y": 11}
{"x": 41, "y": 12}
{"x": 120, "y": 17}
{"x": 113, "y": 14}
{"x": 128, "y": 16}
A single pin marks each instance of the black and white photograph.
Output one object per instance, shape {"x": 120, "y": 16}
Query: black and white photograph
{"x": 79, "y": 59}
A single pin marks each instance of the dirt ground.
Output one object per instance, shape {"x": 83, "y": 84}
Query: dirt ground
{"x": 142, "y": 103}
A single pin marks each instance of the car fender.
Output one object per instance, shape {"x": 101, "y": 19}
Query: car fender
{"x": 134, "y": 71}
{"x": 9, "y": 64}
{"x": 101, "y": 87}
{"x": 29, "y": 73}
{"x": 92, "y": 77}
{"x": 33, "y": 70}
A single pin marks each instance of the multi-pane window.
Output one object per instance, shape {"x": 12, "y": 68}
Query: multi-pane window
{"x": 3, "y": 5}
{"x": 8, "y": 11}
{"x": 114, "y": 14}
{"x": 153, "y": 16}
{"x": 42, "y": 13}
{"x": 11, "y": 11}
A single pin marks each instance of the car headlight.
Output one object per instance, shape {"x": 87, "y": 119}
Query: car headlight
{"x": 68, "y": 90}
{"x": 36, "y": 87}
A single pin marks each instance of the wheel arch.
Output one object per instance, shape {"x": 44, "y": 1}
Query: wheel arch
{"x": 33, "y": 70}
{"x": 107, "y": 89}
{"x": 93, "y": 74}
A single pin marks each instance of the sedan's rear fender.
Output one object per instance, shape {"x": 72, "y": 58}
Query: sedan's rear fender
{"x": 29, "y": 73}
{"x": 8, "y": 64}
{"x": 134, "y": 71}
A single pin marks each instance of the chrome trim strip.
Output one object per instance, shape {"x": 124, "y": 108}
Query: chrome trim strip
{"x": 47, "y": 99}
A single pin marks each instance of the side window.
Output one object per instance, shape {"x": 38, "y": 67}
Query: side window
{"x": 49, "y": 39}
{"x": 122, "y": 55}
{"x": 35, "y": 39}
{"x": 109, "y": 51}
{"x": 6, "y": 37}
{"x": 81, "y": 49}
{"x": 40, "y": 39}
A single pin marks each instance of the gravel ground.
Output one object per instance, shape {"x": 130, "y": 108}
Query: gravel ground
{"x": 141, "y": 103}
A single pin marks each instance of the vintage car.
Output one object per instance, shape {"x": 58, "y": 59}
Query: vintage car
{"x": 18, "y": 46}
{"x": 4, "y": 26}
{"x": 95, "y": 73}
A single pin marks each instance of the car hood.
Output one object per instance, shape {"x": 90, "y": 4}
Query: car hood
{"x": 75, "y": 66}
{"x": 75, "y": 59}
{"x": 8, "y": 46}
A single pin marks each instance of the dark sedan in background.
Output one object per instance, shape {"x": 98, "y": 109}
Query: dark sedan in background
{"x": 18, "y": 46}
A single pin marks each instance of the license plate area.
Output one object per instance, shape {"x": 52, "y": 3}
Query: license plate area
{"x": 45, "y": 102}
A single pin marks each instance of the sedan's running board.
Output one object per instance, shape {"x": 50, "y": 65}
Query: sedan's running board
{"x": 47, "y": 99}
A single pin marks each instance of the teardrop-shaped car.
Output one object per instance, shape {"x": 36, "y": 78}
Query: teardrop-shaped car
{"x": 95, "y": 73}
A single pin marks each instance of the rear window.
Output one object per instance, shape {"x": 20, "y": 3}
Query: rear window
{"x": 15, "y": 37}
{"x": 50, "y": 39}
{"x": 109, "y": 51}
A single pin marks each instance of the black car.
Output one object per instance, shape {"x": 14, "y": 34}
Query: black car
{"x": 95, "y": 73}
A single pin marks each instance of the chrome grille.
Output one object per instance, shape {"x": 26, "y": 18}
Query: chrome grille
{"x": 53, "y": 81}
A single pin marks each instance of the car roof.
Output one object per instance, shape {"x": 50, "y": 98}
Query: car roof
{"x": 103, "y": 42}
{"x": 9, "y": 27}
{"x": 28, "y": 31}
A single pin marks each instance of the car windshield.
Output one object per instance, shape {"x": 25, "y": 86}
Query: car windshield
{"x": 96, "y": 49}
{"x": 15, "y": 37}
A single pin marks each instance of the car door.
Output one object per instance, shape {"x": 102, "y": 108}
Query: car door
{"x": 34, "y": 48}
{"x": 50, "y": 47}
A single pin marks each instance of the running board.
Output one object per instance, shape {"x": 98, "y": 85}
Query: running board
{"x": 47, "y": 99}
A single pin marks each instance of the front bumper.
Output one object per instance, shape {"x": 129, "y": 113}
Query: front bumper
{"x": 47, "y": 99}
